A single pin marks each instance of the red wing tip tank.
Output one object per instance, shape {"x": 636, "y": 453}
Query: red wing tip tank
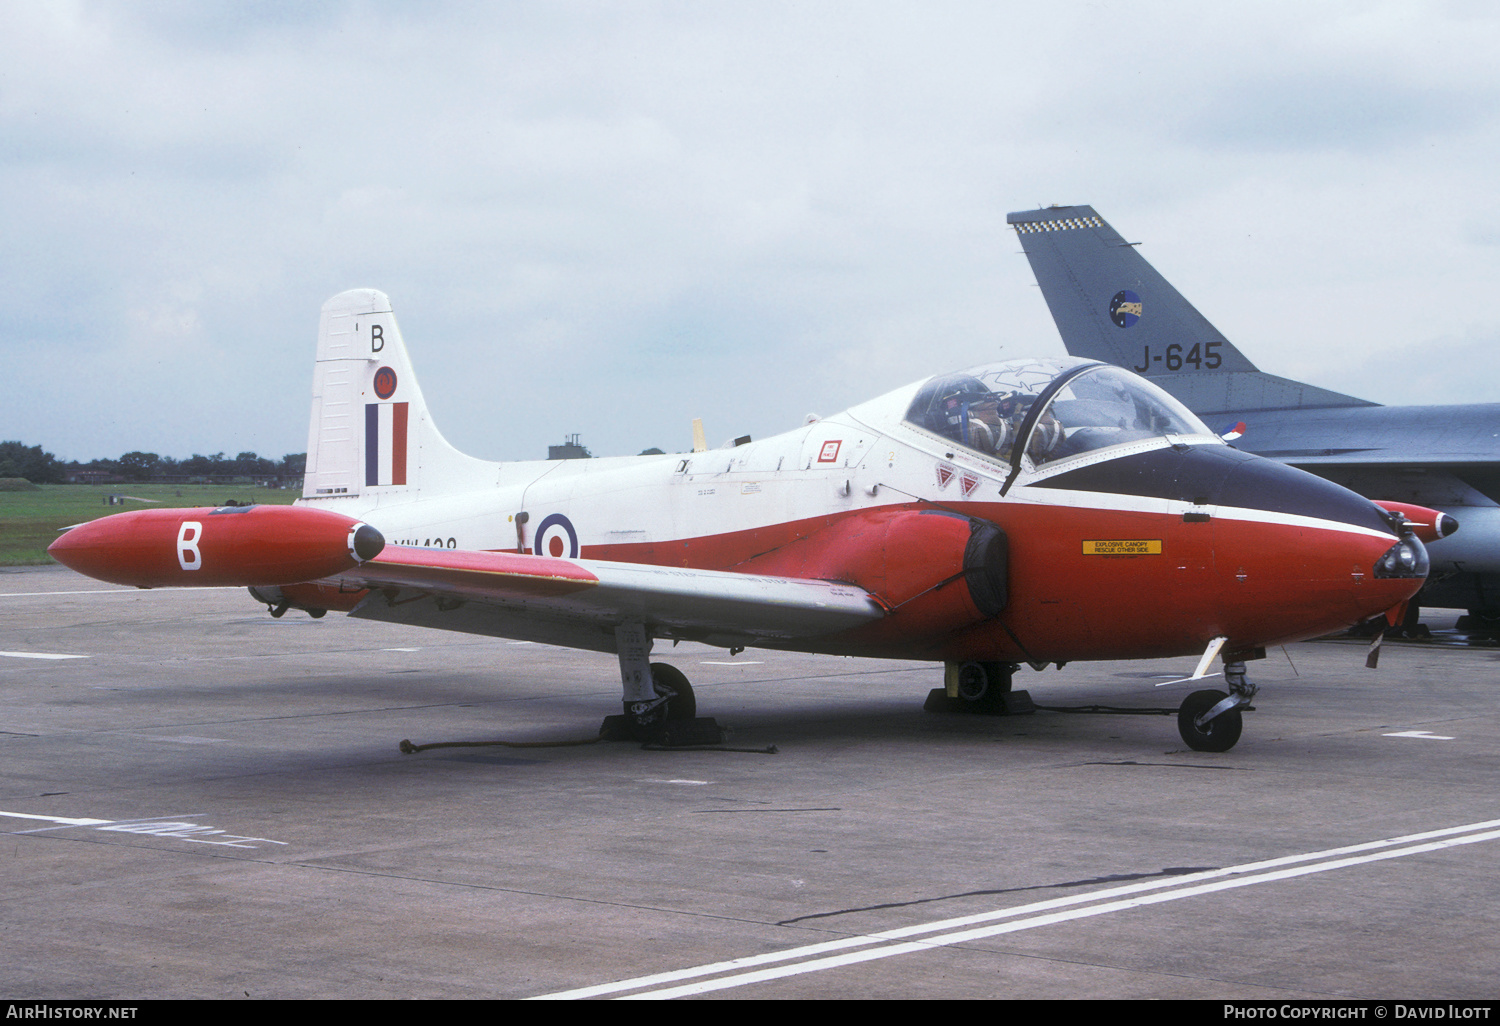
{"x": 228, "y": 546}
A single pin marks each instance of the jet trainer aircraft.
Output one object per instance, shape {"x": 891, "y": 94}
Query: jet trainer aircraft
{"x": 1031, "y": 511}
{"x": 1111, "y": 305}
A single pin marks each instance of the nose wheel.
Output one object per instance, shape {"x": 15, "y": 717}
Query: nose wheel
{"x": 1211, "y": 721}
{"x": 1218, "y": 734}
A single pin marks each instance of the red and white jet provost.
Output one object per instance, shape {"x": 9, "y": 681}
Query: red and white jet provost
{"x": 1031, "y": 511}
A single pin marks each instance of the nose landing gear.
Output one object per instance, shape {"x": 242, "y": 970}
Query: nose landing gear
{"x": 1210, "y": 721}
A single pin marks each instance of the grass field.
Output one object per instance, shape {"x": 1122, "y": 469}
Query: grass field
{"x": 29, "y": 520}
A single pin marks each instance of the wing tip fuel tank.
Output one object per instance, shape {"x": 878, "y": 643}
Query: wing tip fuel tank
{"x": 232, "y": 546}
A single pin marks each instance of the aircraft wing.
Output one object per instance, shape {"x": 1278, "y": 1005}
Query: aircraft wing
{"x": 579, "y": 602}
{"x": 1420, "y": 436}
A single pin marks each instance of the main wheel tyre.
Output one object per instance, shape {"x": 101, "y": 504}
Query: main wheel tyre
{"x": 983, "y": 686}
{"x": 1218, "y": 734}
{"x": 1483, "y": 621}
{"x": 668, "y": 680}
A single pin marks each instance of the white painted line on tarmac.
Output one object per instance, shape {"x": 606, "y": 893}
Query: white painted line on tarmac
{"x": 1025, "y": 917}
{"x": 63, "y": 820}
{"x": 178, "y": 827}
{"x": 41, "y": 655}
{"x": 111, "y": 591}
{"x": 737, "y": 662}
{"x": 1425, "y": 735}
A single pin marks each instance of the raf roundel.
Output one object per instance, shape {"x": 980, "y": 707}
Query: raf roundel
{"x": 1125, "y": 308}
{"x": 555, "y": 537}
{"x": 385, "y": 383}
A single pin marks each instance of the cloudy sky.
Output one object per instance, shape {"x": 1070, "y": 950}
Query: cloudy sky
{"x": 609, "y": 218}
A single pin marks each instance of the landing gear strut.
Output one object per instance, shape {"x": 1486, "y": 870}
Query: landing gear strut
{"x": 1210, "y": 721}
{"x": 659, "y": 704}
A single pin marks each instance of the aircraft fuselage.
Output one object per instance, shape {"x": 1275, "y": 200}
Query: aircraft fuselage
{"x": 1148, "y": 553}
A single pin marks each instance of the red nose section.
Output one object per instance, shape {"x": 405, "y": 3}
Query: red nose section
{"x": 206, "y": 547}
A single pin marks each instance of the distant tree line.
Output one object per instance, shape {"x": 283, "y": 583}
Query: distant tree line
{"x": 20, "y": 460}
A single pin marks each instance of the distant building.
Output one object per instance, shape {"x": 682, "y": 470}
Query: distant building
{"x": 95, "y": 477}
{"x": 569, "y": 450}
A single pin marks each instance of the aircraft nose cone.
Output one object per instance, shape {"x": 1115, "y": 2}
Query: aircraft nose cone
{"x": 1446, "y": 525}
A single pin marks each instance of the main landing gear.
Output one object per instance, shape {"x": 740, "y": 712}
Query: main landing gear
{"x": 1484, "y": 622}
{"x": 981, "y": 688}
{"x": 673, "y": 701}
{"x": 660, "y": 707}
{"x": 1210, "y": 721}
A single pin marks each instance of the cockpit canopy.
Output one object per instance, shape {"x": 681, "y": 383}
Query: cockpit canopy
{"x": 1050, "y": 409}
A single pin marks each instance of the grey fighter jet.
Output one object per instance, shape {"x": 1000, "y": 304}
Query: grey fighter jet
{"x": 1111, "y": 305}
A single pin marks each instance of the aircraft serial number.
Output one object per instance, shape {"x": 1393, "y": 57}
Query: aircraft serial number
{"x": 429, "y": 543}
{"x": 1202, "y": 356}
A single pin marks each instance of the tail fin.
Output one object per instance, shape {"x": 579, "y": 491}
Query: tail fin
{"x": 1111, "y": 305}
{"x": 371, "y": 434}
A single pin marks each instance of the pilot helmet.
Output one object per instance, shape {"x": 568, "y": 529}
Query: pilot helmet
{"x": 1014, "y": 405}
{"x": 962, "y": 387}
{"x": 955, "y": 395}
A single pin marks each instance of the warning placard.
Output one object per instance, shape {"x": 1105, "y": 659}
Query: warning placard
{"x": 1123, "y": 547}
